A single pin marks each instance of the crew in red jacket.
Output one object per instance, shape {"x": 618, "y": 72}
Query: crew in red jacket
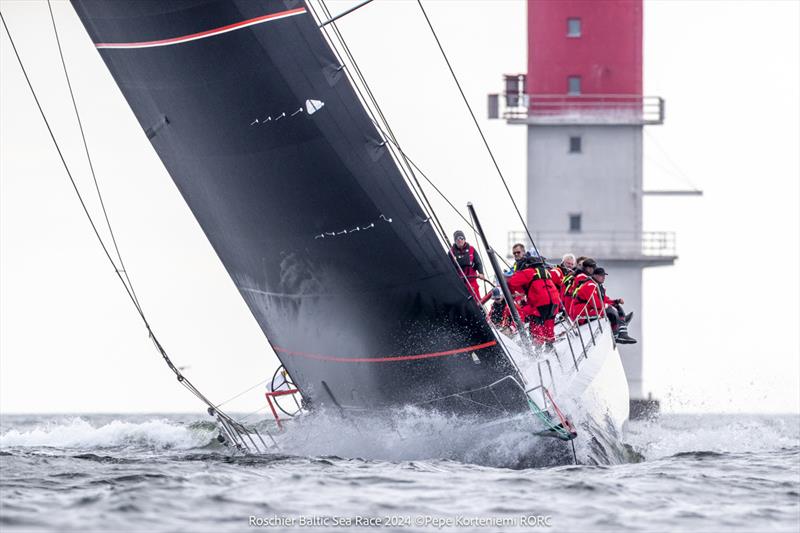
{"x": 468, "y": 259}
{"x": 613, "y": 309}
{"x": 581, "y": 278}
{"x": 542, "y": 298}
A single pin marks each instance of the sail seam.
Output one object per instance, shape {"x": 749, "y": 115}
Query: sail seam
{"x": 207, "y": 33}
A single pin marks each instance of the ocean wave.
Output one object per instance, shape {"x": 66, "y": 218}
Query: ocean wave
{"x": 78, "y": 433}
{"x": 682, "y": 435}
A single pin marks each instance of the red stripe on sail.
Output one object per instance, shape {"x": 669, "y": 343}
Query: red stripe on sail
{"x": 385, "y": 359}
{"x": 207, "y": 33}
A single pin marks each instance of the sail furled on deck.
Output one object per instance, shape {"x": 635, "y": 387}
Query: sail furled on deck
{"x": 262, "y": 132}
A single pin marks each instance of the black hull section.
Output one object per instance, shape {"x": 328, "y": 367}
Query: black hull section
{"x": 282, "y": 167}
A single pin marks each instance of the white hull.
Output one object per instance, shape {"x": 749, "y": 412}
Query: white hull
{"x": 590, "y": 389}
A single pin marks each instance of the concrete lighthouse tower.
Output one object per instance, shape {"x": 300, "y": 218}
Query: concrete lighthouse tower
{"x": 582, "y": 103}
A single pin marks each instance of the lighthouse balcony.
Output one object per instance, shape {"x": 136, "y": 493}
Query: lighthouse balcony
{"x": 581, "y": 109}
{"x": 648, "y": 247}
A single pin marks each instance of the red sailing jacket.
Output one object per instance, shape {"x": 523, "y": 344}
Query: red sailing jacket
{"x": 557, "y": 273}
{"x": 538, "y": 285}
{"x": 572, "y": 282}
{"x": 591, "y": 291}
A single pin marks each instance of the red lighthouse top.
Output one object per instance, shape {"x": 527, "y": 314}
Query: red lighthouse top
{"x": 584, "y": 47}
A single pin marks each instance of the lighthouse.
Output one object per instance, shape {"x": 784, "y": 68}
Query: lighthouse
{"x": 584, "y": 108}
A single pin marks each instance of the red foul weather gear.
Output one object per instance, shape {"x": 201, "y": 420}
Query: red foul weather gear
{"x": 470, "y": 263}
{"x": 542, "y": 301}
{"x": 572, "y": 286}
{"x": 587, "y": 296}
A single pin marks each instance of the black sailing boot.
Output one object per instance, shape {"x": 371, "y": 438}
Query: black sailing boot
{"x": 622, "y": 336}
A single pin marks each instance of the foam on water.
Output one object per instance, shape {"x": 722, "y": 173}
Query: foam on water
{"x": 413, "y": 435}
{"x": 117, "y": 472}
{"x": 77, "y": 432}
{"x": 669, "y": 435}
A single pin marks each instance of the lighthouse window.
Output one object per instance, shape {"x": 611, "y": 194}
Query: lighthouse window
{"x": 574, "y": 145}
{"x": 575, "y": 222}
{"x": 574, "y": 85}
{"x": 573, "y": 27}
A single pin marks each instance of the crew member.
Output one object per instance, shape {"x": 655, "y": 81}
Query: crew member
{"x": 582, "y": 276}
{"x": 542, "y": 298}
{"x": 520, "y": 256}
{"x": 613, "y": 308}
{"x": 500, "y": 314}
{"x": 469, "y": 262}
{"x": 560, "y": 271}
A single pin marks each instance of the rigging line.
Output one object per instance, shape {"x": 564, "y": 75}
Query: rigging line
{"x": 407, "y": 170}
{"x": 422, "y": 201}
{"x": 63, "y": 161}
{"x": 374, "y": 101}
{"x": 347, "y": 12}
{"x": 241, "y": 393}
{"x": 677, "y": 170}
{"x": 89, "y": 157}
{"x": 177, "y": 372}
{"x": 426, "y": 207}
{"x": 477, "y": 125}
{"x": 440, "y": 193}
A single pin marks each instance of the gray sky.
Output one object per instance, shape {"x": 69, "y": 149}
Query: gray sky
{"x": 720, "y": 326}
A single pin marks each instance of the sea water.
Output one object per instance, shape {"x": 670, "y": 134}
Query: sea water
{"x": 168, "y": 473}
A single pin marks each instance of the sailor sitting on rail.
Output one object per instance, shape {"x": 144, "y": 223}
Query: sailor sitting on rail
{"x": 573, "y": 285}
{"x": 613, "y": 308}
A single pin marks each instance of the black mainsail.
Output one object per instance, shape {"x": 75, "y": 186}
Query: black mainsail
{"x": 265, "y": 137}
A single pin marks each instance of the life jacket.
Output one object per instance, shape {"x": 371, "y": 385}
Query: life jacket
{"x": 577, "y": 282}
{"x": 559, "y": 273}
{"x": 569, "y": 278}
{"x": 543, "y": 298}
{"x": 465, "y": 259}
{"x": 588, "y": 290}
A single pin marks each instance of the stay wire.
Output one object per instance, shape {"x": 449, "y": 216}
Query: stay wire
{"x": 89, "y": 157}
{"x": 477, "y": 125}
{"x": 425, "y": 206}
{"x": 432, "y": 213}
{"x": 440, "y": 193}
{"x": 241, "y": 393}
{"x": 66, "y": 167}
{"x": 181, "y": 378}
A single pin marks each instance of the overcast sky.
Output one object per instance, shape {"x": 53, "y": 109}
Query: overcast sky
{"x": 721, "y": 326}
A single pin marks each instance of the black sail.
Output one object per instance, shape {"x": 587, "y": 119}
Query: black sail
{"x": 252, "y": 115}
